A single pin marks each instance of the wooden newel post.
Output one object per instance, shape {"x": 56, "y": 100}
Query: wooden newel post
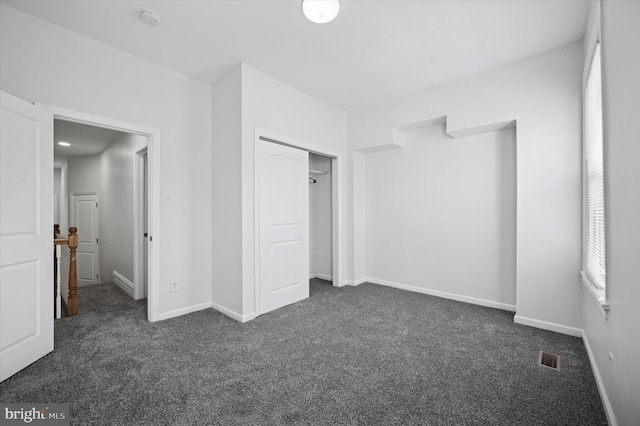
{"x": 72, "y": 304}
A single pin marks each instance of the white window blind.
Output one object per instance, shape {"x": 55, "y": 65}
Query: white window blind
{"x": 595, "y": 241}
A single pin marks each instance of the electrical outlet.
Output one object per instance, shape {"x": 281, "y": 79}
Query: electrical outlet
{"x": 611, "y": 365}
{"x": 174, "y": 287}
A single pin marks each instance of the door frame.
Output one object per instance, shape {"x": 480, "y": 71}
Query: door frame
{"x": 73, "y": 219}
{"x": 56, "y": 210}
{"x": 336, "y": 204}
{"x": 139, "y": 288}
{"x": 153, "y": 185}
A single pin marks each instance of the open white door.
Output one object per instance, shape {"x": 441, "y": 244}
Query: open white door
{"x": 284, "y": 225}
{"x": 85, "y": 217}
{"x": 26, "y": 224}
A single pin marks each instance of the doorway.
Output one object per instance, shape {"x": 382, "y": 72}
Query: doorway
{"x": 320, "y": 218}
{"x": 85, "y": 216}
{"x": 142, "y": 192}
{"x": 292, "y": 207}
{"x": 110, "y": 166}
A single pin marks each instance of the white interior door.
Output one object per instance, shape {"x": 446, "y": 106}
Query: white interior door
{"x": 284, "y": 225}
{"x": 85, "y": 216}
{"x": 26, "y": 223}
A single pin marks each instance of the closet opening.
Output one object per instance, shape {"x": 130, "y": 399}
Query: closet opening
{"x": 297, "y": 220}
{"x": 320, "y": 220}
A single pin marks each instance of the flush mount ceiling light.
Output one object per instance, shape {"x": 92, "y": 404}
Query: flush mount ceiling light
{"x": 320, "y": 11}
{"x": 150, "y": 17}
{"x": 61, "y": 143}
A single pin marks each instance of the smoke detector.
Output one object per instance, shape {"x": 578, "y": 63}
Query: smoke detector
{"x": 150, "y": 17}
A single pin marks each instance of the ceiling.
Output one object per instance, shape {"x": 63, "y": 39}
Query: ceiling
{"x": 373, "y": 51}
{"x": 84, "y": 140}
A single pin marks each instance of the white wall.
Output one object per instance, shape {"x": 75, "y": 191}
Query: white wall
{"x": 46, "y": 63}
{"x": 542, "y": 94}
{"x": 271, "y": 105}
{"x": 56, "y": 181}
{"x": 226, "y": 262}
{"x": 356, "y": 212}
{"x": 84, "y": 175}
{"x": 621, "y": 108}
{"x": 320, "y": 207}
{"x": 441, "y": 215}
{"x": 116, "y": 207}
{"x": 244, "y": 100}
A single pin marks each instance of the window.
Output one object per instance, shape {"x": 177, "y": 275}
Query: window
{"x": 595, "y": 256}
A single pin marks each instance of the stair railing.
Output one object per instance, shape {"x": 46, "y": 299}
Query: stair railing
{"x": 71, "y": 241}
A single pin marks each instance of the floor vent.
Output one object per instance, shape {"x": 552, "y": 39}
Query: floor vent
{"x": 547, "y": 359}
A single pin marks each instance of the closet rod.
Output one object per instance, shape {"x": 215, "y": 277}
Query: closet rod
{"x": 317, "y": 172}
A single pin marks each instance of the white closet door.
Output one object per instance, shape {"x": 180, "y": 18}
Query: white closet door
{"x": 284, "y": 225}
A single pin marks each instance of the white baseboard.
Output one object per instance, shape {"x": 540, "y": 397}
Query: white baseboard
{"x": 323, "y": 277}
{"x": 183, "y": 311}
{"x": 233, "y": 314}
{"x": 445, "y": 295}
{"x": 356, "y": 282}
{"x": 123, "y": 283}
{"x": 603, "y": 392}
{"x": 248, "y": 317}
{"x": 545, "y": 325}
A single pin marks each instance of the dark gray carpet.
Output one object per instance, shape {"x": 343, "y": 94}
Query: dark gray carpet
{"x": 355, "y": 355}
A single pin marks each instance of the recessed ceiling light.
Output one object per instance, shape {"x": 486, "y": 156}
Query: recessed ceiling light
{"x": 150, "y": 17}
{"x": 320, "y": 11}
{"x": 64, "y": 143}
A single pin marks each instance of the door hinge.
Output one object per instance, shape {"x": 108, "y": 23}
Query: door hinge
{"x": 96, "y": 205}
{"x": 96, "y": 241}
{"x": 150, "y": 238}
{"x": 146, "y": 235}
